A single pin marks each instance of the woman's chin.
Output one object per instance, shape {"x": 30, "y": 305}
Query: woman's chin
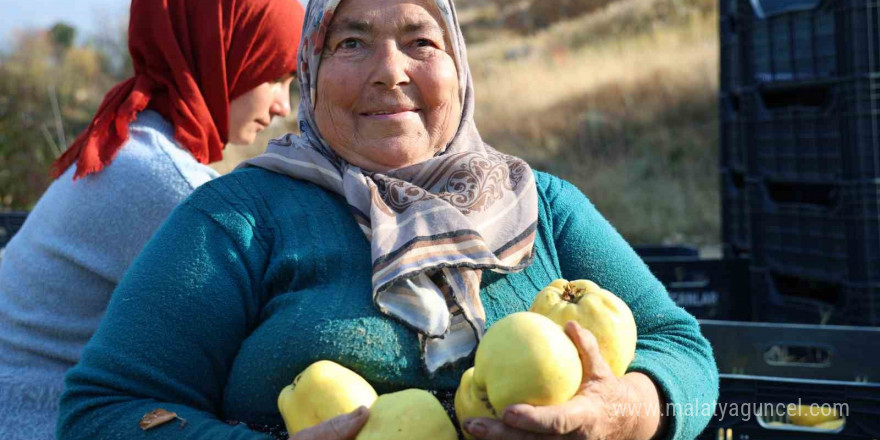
{"x": 398, "y": 155}
{"x": 243, "y": 139}
{"x": 381, "y": 152}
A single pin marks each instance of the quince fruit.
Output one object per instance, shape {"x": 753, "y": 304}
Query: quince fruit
{"x": 406, "y": 415}
{"x": 322, "y": 391}
{"x": 523, "y": 358}
{"x": 470, "y": 401}
{"x": 605, "y": 315}
{"x": 804, "y": 415}
{"x": 831, "y": 425}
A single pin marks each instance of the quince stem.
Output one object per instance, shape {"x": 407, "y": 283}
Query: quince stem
{"x": 572, "y": 294}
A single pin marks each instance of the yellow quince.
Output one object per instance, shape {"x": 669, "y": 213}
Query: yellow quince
{"x": 605, "y": 315}
{"x": 471, "y": 401}
{"x": 407, "y": 415}
{"x": 523, "y": 358}
{"x": 322, "y": 391}
{"x": 830, "y": 425}
{"x": 804, "y": 415}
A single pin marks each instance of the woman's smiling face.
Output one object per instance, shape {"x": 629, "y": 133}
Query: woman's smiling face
{"x": 387, "y": 89}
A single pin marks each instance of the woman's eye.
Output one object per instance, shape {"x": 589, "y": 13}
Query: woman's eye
{"x": 349, "y": 43}
{"x": 424, "y": 42}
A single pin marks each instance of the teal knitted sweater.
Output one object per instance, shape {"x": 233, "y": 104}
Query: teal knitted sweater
{"x": 257, "y": 275}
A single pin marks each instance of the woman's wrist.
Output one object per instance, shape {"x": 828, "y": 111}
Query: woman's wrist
{"x": 647, "y": 416}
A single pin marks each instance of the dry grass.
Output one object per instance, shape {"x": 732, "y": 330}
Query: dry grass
{"x": 630, "y": 119}
{"x": 621, "y": 102}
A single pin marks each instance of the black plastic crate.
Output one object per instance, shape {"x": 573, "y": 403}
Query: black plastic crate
{"x": 767, "y": 366}
{"x": 858, "y": 402}
{"x": 861, "y": 305}
{"x": 794, "y": 135}
{"x": 860, "y": 126}
{"x": 730, "y": 52}
{"x": 787, "y": 299}
{"x": 806, "y": 40}
{"x": 815, "y": 133}
{"x": 783, "y": 298}
{"x": 706, "y": 288}
{"x": 824, "y": 232}
{"x": 733, "y": 149}
{"x": 802, "y": 351}
{"x": 735, "y": 219}
{"x": 799, "y": 230}
{"x": 728, "y": 8}
{"x": 10, "y": 223}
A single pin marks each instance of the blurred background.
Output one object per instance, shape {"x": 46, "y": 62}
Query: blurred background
{"x": 617, "y": 96}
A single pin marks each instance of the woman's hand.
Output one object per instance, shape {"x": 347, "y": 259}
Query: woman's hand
{"x": 605, "y": 407}
{"x": 344, "y": 427}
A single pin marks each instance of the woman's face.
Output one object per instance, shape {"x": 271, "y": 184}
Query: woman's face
{"x": 253, "y": 111}
{"x": 387, "y": 92}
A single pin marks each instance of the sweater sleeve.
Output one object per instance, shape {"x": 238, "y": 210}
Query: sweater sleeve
{"x": 171, "y": 332}
{"x": 670, "y": 348}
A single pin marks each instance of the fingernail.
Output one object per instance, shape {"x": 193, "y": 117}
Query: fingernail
{"x": 360, "y": 411}
{"x": 476, "y": 428}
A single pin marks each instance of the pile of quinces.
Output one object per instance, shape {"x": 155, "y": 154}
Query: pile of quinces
{"x": 525, "y": 357}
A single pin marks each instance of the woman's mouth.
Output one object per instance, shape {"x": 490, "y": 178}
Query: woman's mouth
{"x": 392, "y": 114}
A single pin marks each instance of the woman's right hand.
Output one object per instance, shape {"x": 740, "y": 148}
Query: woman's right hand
{"x": 344, "y": 427}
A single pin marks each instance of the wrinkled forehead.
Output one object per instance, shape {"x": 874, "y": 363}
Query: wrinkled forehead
{"x": 372, "y": 10}
{"x": 403, "y": 16}
{"x": 321, "y": 13}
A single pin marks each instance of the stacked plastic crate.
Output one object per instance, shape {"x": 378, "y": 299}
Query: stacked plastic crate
{"x": 734, "y": 161}
{"x": 800, "y": 138}
{"x": 768, "y": 369}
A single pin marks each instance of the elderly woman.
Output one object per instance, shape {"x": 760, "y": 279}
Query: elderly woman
{"x": 387, "y": 237}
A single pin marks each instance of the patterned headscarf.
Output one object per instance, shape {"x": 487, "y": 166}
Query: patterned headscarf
{"x": 433, "y": 226}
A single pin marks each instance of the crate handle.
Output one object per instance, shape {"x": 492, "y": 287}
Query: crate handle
{"x": 786, "y": 355}
{"x": 732, "y": 103}
{"x": 769, "y": 8}
{"x": 817, "y": 97}
{"x": 820, "y": 195}
{"x": 822, "y": 295}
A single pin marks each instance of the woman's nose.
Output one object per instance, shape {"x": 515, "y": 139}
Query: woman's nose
{"x": 389, "y": 70}
{"x": 281, "y": 105}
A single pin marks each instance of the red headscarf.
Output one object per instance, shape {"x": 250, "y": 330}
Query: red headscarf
{"x": 191, "y": 58}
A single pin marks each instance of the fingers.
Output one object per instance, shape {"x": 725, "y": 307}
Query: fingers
{"x": 595, "y": 366}
{"x": 488, "y": 429}
{"x": 556, "y": 420}
{"x": 344, "y": 427}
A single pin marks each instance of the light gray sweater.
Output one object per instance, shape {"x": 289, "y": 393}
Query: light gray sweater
{"x": 57, "y": 273}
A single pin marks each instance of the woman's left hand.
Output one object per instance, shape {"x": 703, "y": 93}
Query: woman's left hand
{"x": 605, "y": 407}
